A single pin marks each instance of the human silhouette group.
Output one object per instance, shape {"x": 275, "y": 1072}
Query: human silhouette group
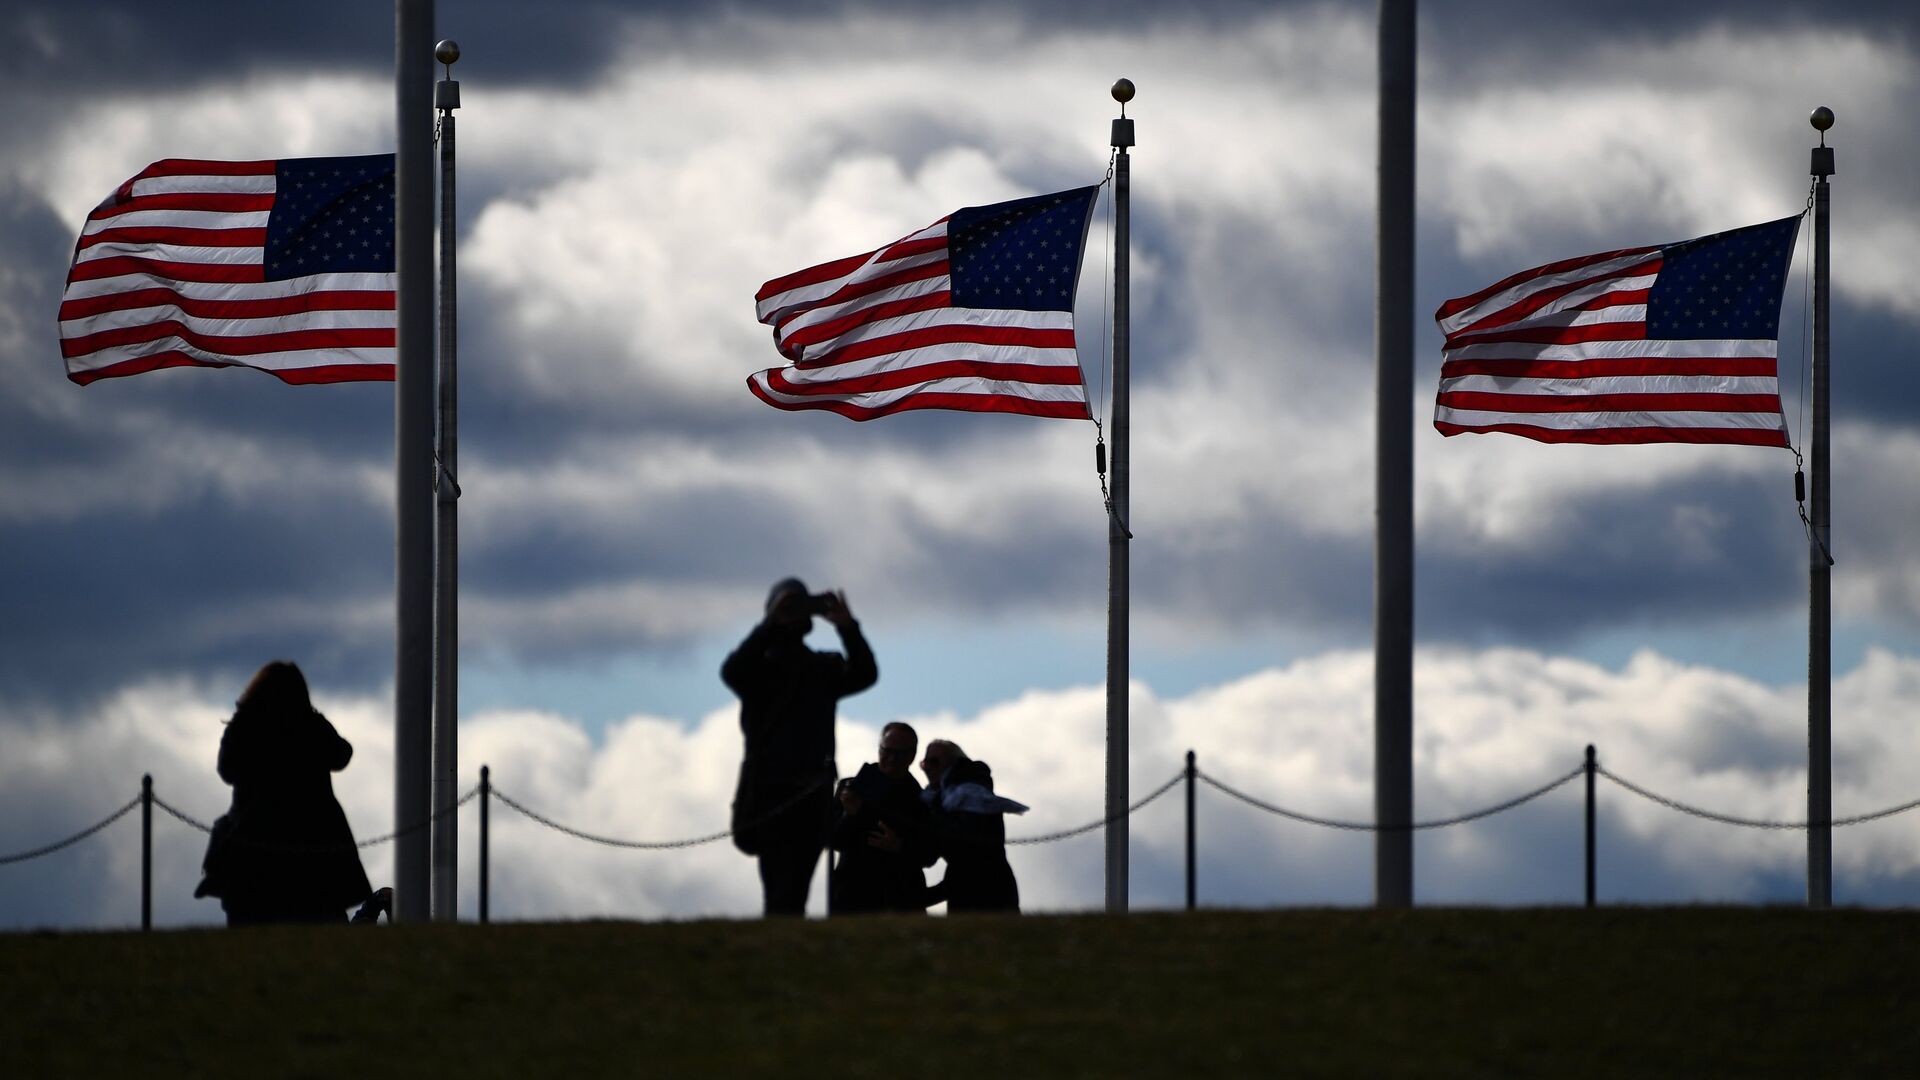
{"x": 284, "y": 852}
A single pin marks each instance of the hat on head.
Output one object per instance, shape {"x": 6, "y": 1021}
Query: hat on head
{"x": 783, "y": 587}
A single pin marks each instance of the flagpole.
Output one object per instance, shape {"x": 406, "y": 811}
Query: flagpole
{"x": 1393, "y": 465}
{"x": 1820, "y": 576}
{"x": 1120, "y": 422}
{"x": 446, "y": 563}
{"x": 413, "y": 455}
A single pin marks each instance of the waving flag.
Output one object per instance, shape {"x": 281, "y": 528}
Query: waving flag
{"x": 285, "y": 266}
{"x": 973, "y": 312}
{"x": 1677, "y": 343}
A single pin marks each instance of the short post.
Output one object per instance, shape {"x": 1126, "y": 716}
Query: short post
{"x": 486, "y": 793}
{"x": 1592, "y": 765}
{"x": 146, "y": 852}
{"x": 1191, "y": 771}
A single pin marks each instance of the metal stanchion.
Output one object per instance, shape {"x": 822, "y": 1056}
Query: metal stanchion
{"x": 1191, "y": 771}
{"x": 486, "y": 795}
{"x": 1592, "y": 766}
{"x": 146, "y": 852}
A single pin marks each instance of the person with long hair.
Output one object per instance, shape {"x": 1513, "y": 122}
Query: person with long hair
{"x": 283, "y": 853}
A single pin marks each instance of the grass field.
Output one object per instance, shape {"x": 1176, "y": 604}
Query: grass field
{"x": 1442, "y": 992}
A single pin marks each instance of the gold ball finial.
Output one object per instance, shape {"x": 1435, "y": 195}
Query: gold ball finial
{"x": 1123, "y": 91}
{"x": 1822, "y": 119}
{"x": 447, "y": 51}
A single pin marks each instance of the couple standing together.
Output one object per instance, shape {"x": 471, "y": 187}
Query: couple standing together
{"x": 887, "y": 828}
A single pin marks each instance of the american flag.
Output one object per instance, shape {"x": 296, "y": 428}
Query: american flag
{"x": 285, "y": 266}
{"x": 973, "y": 312}
{"x": 1676, "y": 343}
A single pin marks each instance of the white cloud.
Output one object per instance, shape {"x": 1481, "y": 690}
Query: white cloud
{"x": 1488, "y": 725}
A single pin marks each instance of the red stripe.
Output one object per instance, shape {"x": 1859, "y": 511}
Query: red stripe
{"x": 219, "y": 202}
{"x": 266, "y": 307}
{"x": 1625, "y": 365}
{"x": 980, "y": 403}
{"x": 1482, "y": 401}
{"x": 951, "y": 333}
{"x": 162, "y": 234}
{"x": 881, "y": 381}
{"x": 213, "y": 273}
{"x": 331, "y": 373}
{"x": 826, "y": 331}
{"x": 376, "y": 337}
{"x": 1459, "y": 304}
{"x": 813, "y": 275}
{"x": 1614, "y": 436}
{"x": 907, "y": 249}
{"x": 1534, "y": 301}
{"x": 855, "y": 290}
{"x": 1554, "y": 335}
{"x": 198, "y": 167}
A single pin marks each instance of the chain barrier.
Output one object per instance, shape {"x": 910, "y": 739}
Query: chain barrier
{"x": 74, "y": 839}
{"x": 1370, "y": 826}
{"x": 661, "y": 845}
{"x": 1750, "y": 823}
{"x": 1047, "y": 838}
{"x": 472, "y": 793}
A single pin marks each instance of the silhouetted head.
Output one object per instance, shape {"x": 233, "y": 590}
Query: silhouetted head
{"x": 277, "y": 688}
{"x": 942, "y": 754}
{"x": 898, "y": 741}
{"x": 786, "y": 606}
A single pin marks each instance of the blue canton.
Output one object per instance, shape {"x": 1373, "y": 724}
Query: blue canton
{"x": 1023, "y": 254}
{"x": 331, "y": 216}
{"x": 1727, "y": 285}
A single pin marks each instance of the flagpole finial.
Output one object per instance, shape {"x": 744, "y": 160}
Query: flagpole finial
{"x": 1123, "y": 93}
{"x": 1821, "y": 119}
{"x": 447, "y": 52}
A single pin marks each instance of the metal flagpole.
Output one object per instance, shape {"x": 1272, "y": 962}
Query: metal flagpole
{"x": 446, "y": 561}
{"x": 1118, "y": 756}
{"x": 1820, "y": 575}
{"x": 413, "y": 455}
{"x": 1393, "y": 467}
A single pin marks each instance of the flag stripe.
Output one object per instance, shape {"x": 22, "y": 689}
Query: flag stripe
{"x": 1599, "y": 368}
{"x": 171, "y": 271}
{"x": 1460, "y": 311}
{"x": 1651, "y": 433}
{"x": 1477, "y": 401}
{"x": 1610, "y": 384}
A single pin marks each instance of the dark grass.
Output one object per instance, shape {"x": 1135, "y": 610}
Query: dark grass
{"x": 1438, "y": 992}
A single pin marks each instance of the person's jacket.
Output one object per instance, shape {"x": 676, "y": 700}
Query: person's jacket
{"x": 284, "y": 843}
{"x": 974, "y": 845}
{"x": 788, "y": 694}
{"x": 868, "y": 878}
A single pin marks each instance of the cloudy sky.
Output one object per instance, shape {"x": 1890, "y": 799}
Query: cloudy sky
{"x": 630, "y": 173}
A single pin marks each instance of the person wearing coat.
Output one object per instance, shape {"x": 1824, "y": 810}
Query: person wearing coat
{"x": 969, "y": 831}
{"x": 783, "y": 802}
{"x": 283, "y": 852}
{"x": 881, "y": 833}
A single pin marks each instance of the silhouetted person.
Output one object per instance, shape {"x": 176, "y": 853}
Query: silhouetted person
{"x": 969, "y": 831}
{"x": 283, "y": 853}
{"x": 788, "y": 693}
{"x": 881, "y": 833}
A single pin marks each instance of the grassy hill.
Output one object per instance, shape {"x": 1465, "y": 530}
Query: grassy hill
{"x": 1614, "y": 992}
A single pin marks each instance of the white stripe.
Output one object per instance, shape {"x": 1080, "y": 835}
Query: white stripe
{"x": 202, "y": 185}
{"x": 1614, "y": 384}
{"x": 351, "y": 319}
{"x": 919, "y": 320}
{"x": 180, "y": 253}
{"x": 830, "y": 312}
{"x": 1545, "y": 315}
{"x": 273, "y": 361}
{"x": 773, "y": 307}
{"x": 1600, "y": 350}
{"x": 181, "y": 219}
{"x": 934, "y": 354}
{"x": 232, "y": 290}
{"x": 986, "y": 387}
{"x": 1506, "y": 298}
{"x": 1600, "y": 421}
